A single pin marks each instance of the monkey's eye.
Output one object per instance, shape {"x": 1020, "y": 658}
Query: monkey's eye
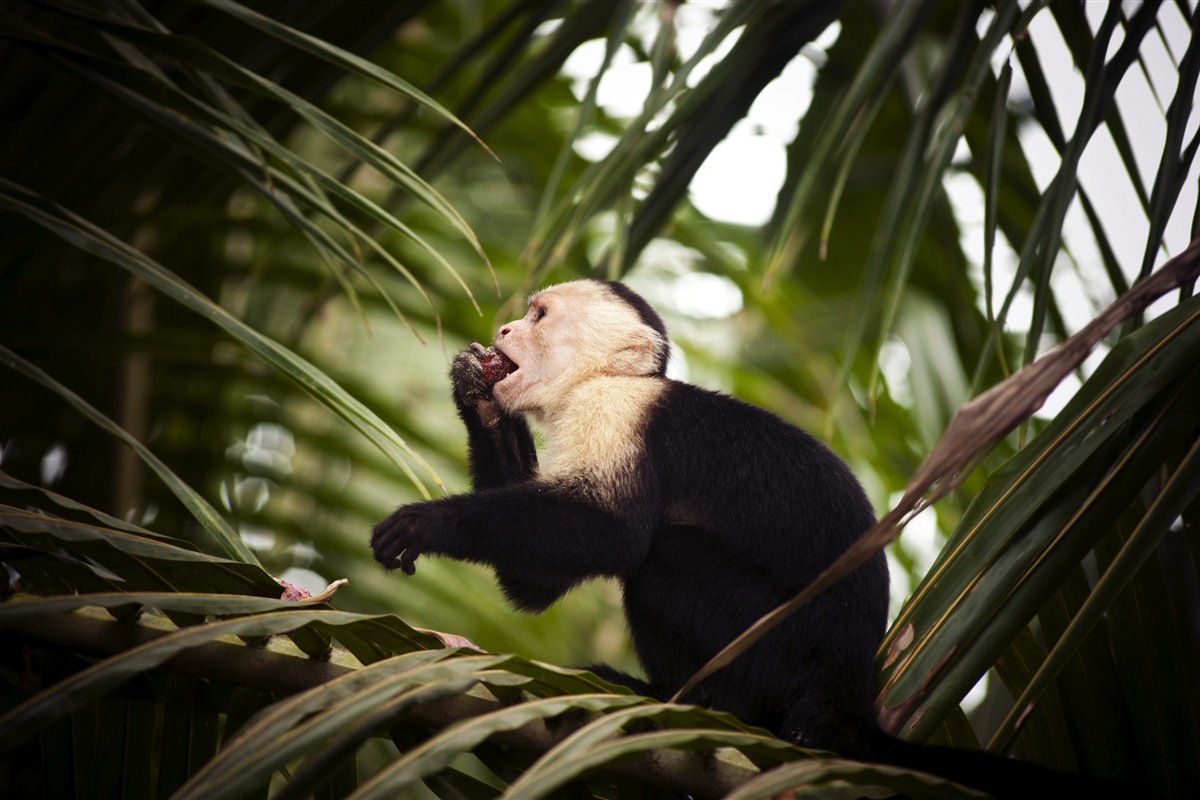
{"x": 539, "y": 313}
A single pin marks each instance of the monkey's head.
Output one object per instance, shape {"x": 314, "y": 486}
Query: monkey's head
{"x": 573, "y": 332}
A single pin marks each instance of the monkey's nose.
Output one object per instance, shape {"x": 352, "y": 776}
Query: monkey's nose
{"x": 505, "y": 331}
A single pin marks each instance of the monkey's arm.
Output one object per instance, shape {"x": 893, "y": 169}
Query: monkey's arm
{"x": 500, "y": 447}
{"x": 534, "y": 534}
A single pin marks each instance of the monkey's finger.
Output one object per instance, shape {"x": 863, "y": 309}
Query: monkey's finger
{"x": 385, "y": 555}
{"x": 385, "y": 545}
{"x": 407, "y": 560}
{"x": 379, "y": 549}
{"x": 477, "y": 350}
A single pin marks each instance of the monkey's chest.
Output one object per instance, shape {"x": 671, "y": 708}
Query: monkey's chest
{"x": 600, "y": 456}
{"x": 599, "y": 438}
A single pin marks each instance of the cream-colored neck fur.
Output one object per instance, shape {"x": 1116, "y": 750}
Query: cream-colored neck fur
{"x": 595, "y": 432}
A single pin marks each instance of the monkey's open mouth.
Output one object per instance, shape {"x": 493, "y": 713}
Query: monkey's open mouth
{"x": 496, "y": 366}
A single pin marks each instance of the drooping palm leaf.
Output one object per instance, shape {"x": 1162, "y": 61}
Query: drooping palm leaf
{"x": 329, "y": 721}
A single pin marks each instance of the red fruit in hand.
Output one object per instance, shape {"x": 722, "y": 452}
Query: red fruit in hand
{"x": 496, "y": 366}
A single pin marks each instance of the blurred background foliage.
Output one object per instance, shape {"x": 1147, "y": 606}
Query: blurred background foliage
{"x": 926, "y": 174}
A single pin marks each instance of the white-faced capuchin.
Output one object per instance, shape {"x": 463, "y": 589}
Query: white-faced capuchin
{"x": 709, "y": 511}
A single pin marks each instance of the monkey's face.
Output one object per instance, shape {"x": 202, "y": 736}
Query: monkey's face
{"x": 543, "y": 344}
{"x": 571, "y": 333}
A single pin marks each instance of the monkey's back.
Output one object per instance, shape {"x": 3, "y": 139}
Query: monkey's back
{"x": 754, "y": 509}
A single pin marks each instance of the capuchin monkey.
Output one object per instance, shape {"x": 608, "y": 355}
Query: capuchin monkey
{"x": 709, "y": 511}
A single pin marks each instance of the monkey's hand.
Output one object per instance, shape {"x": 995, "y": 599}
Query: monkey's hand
{"x": 501, "y": 447}
{"x": 472, "y": 392}
{"x": 466, "y": 375}
{"x": 402, "y": 537}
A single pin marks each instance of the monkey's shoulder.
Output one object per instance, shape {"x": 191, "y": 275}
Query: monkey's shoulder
{"x": 691, "y": 416}
{"x": 706, "y": 449}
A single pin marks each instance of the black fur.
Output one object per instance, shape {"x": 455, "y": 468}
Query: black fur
{"x": 767, "y": 508}
{"x": 777, "y": 506}
{"x": 730, "y": 512}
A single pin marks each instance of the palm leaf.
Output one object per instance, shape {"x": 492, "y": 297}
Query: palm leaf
{"x": 204, "y": 513}
{"x": 96, "y": 241}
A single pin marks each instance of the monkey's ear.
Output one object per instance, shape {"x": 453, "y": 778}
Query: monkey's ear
{"x": 639, "y": 356}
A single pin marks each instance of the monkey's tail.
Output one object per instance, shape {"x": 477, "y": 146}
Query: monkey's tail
{"x": 1001, "y": 777}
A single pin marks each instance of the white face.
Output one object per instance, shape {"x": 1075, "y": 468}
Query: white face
{"x": 571, "y": 332}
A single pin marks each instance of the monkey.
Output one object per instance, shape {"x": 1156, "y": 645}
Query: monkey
{"x": 709, "y": 511}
